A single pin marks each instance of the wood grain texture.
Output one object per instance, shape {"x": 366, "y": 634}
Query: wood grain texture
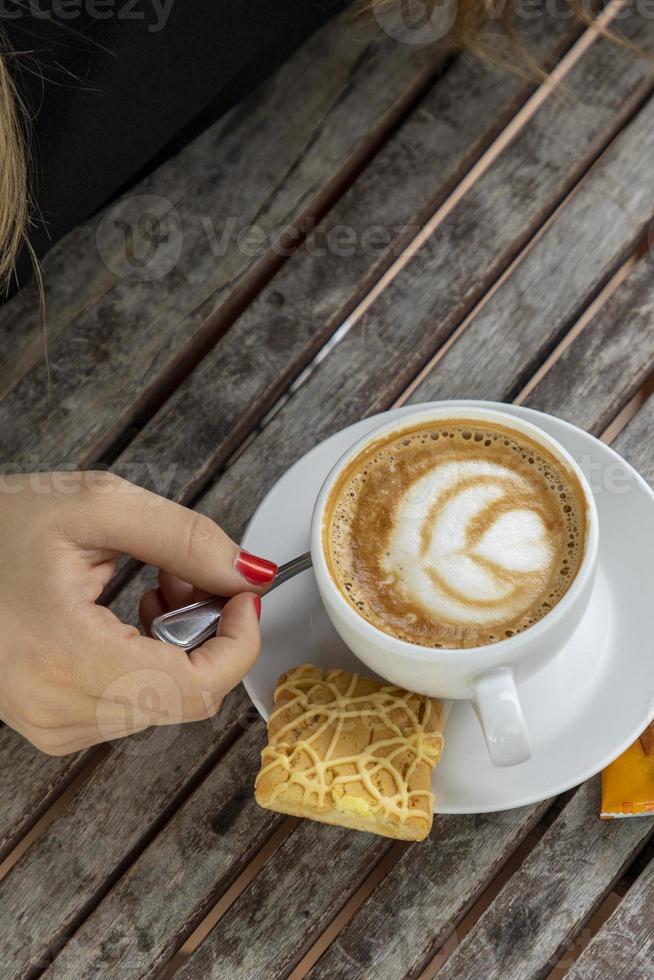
{"x": 312, "y": 123}
{"x": 443, "y": 281}
{"x": 24, "y": 341}
{"x": 100, "y": 831}
{"x": 250, "y": 364}
{"x": 609, "y": 360}
{"x": 237, "y": 505}
{"x": 635, "y": 441}
{"x": 272, "y": 924}
{"x": 179, "y": 877}
{"x": 317, "y": 288}
{"x": 549, "y": 289}
{"x": 624, "y": 947}
{"x": 380, "y": 355}
{"x": 289, "y": 427}
{"x": 426, "y": 888}
{"x": 295, "y": 438}
{"x": 267, "y": 163}
{"x": 29, "y": 781}
{"x": 546, "y": 903}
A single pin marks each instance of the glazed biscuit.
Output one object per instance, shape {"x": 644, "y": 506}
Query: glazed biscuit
{"x": 348, "y": 750}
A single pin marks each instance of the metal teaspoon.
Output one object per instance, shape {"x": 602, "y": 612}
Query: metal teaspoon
{"x": 190, "y": 626}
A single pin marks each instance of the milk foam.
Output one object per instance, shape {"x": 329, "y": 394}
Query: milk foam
{"x": 455, "y": 535}
{"x": 430, "y": 555}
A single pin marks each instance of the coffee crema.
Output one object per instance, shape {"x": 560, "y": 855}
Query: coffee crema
{"x": 454, "y": 533}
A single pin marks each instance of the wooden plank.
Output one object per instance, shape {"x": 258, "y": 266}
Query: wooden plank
{"x": 275, "y": 159}
{"x": 371, "y": 367}
{"x": 306, "y": 301}
{"x": 252, "y": 941}
{"x": 276, "y": 955}
{"x": 29, "y": 782}
{"x": 285, "y": 431}
{"x": 298, "y": 883}
{"x": 364, "y": 92}
{"x": 54, "y": 885}
{"x": 624, "y": 947}
{"x": 251, "y": 362}
{"x": 635, "y": 441}
{"x": 151, "y": 910}
{"x": 546, "y": 903}
{"x": 525, "y": 318}
{"x": 609, "y": 361}
{"x": 316, "y": 434}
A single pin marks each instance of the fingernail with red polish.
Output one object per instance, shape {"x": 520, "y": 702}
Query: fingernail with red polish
{"x": 256, "y": 571}
{"x": 257, "y": 606}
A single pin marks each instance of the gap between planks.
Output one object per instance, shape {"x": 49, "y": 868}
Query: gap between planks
{"x": 627, "y": 412}
{"x": 553, "y": 80}
{"x": 394, "y": 853}
{"x": 331, "y": 193}
{"x": 492, "y": 890}
{"x": 239, "y": 885}
{"x": 391, "y": 857}
{"x": 264, "y": 271}
{"x": 604, "y": 911}
{"x": 48, "y": 816}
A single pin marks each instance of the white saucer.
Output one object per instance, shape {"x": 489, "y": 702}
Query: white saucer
{"x": 582, "y": 710}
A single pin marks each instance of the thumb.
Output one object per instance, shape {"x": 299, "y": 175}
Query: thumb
{"x": 225, "y": 660}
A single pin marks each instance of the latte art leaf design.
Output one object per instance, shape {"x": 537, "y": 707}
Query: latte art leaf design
{"x": 470, "y": 542}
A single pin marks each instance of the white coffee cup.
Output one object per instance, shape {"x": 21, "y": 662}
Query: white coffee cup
{"x": 486, "y": 675}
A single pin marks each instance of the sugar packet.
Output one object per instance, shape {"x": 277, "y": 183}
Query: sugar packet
{"x": 628, "y": 783}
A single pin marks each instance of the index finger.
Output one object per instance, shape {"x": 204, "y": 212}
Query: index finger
{"x": 134, "y": 521}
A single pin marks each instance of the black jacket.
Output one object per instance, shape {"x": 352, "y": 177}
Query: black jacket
{"x": 116, "y": 86}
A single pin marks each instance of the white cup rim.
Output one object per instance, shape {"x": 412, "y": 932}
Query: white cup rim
{"x": 486, "y": 655}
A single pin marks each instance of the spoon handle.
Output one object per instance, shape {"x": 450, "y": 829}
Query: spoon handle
{"x": 190, "y": 626}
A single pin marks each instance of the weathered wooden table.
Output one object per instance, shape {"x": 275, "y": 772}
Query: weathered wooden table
{"x": 276, "y": 286}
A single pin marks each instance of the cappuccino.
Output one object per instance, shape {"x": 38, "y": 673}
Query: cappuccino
{"x": 454, "y": 534}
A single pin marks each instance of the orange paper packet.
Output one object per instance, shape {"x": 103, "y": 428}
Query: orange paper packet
{"x": 628, "y": 783}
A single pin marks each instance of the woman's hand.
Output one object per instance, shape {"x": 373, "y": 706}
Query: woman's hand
{"x": 71, "y": 674}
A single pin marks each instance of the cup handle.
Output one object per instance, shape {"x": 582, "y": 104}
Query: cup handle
{"x": 500, "y": 715}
